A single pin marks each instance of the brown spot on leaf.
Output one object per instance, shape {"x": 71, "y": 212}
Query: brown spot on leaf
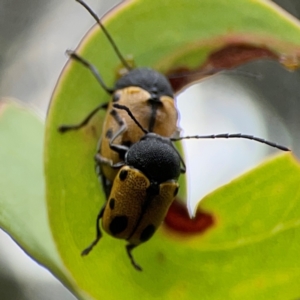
{"x": 235, "y": 55}
{"x": 93, "y": 131}
{"x": 161, "y": 258}
{"x": 178, "y": 220}
{"x": 225, "y": 58}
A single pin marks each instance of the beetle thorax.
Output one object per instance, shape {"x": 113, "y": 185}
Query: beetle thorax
{"x": 156, "y": 157}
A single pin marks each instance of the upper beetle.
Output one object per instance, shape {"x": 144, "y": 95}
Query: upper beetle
{"x": 146, "y": 92}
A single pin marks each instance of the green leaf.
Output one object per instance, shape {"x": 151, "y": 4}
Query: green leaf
{"x": 172, "y": 36}
{"x": 246, "y": 254}
{"x": 23, "y": 211}
{"x": 251, "y": 250}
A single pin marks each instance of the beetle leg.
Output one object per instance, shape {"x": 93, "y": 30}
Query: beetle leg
{"x": 102, "y": 160}
{"x": 106, "y": 184}
{"x": 92, "y": 68}
{"x": 65, "y": 128}
{"x": 87, "y": 250}
{"x": 121, "y": 149}
{"x": 129, "y": 248}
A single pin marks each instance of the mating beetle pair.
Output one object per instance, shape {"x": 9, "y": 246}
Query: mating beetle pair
{"x": 136, "y": 160}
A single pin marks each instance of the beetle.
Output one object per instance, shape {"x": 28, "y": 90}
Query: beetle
{"x": 149, "y": 96}
{"x": 145, "y": 186}
{"x": 139, "y": 168}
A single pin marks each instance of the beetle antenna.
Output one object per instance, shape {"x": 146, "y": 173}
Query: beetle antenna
{"x": 230, "y": 136}
{"x": 119, "y": 106}
{"x": 92, "y": 68}
{"x": 116, "y": 49}
{"x": 215, "y": 71}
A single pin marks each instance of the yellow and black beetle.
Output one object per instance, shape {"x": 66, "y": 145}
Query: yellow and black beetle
{"x": 146, "y": 92}
{"x": 146, "y": 185}
{"x": 139, "y": 167}
{"x": 143, "y": 189}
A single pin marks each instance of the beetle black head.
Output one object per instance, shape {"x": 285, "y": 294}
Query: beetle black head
{"x": 153, "y": 82}
{"x": 156, "y": 157}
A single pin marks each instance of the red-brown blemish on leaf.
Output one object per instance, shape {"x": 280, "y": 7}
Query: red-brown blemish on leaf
{"x": 225, "y": 58}
{"x": 178, "y": 219}
{"x": 235, "y": 55}
{"x": 181, "y": 77}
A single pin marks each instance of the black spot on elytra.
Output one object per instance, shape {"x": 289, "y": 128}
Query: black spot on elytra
{"x": 116, "y": 97}
{"x": 112, "y": 203}
{"x": 147, "y": 233}
{"x": 118, "y": 224}
{"x": 176, "y": 191}
{"x": 109, "y": 133}
{"x": 123, "y": 174}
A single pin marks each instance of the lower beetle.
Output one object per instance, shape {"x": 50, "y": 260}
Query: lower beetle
{"x": 145, "y": 186}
